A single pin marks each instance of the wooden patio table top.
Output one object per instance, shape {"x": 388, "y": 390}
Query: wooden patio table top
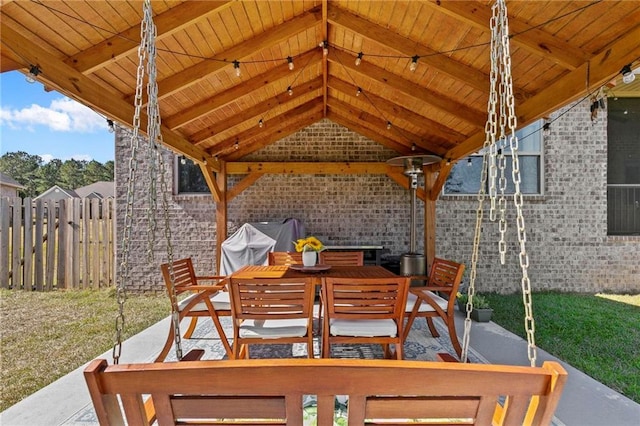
{"x": 284, "y": 271}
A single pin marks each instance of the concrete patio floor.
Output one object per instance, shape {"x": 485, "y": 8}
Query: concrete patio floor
{"x": 585, "y": 402}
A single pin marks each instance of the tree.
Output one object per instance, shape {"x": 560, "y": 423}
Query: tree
{"x": 71, "y": 174}
{"x": 95, "y": 172}
{"x": 48, "y": 175}
{"x": 23, "y": 168}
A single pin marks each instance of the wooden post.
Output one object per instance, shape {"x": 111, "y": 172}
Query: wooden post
{"x": 429, "y": 219}
{"x": 221, "y": 212}
{"x": 28, "y": 244}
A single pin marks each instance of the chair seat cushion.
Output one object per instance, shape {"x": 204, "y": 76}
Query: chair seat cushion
{"x": 425, "y": 307}
{"x": 364, "y": 328}
{"x": 220, "y": 301}
{"x": 273, "y": 328}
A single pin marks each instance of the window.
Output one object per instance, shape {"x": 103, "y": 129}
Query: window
{"x": 189, "y": 178}
{"x": 464, "y": 178}
{"x": 623, "y": 166}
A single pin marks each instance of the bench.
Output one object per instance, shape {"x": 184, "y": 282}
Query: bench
{"x": 242, "y": 392}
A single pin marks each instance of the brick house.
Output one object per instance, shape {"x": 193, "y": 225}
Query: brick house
{"x": 568, "y": 243}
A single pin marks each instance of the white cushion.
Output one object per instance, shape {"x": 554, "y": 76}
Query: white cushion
{"x": 220, "y": 301}
{"x": 364, "y": 328}
{"x": 424, "y": 306}
{"x": 274, "y": 328}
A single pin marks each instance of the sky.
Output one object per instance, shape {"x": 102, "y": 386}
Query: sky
{"x": 50, "y": 124}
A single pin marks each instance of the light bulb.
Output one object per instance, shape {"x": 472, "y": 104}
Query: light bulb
{"x": 236, "y": 145}
{"x": 388, "y": 125}
{"x": 261, "y": 123}
{"x": 183, "y": 160}
{"x": 290, "y": 90}
{"x": 290, "y": 61}
{"x": 359, "y": 59}
{"x": 236, "y": 65}
{"x": 469, "y": 162}
{"x": 414, "y": 63}
{"x": 358, "y": 92}
{"x": 627, "y": 74}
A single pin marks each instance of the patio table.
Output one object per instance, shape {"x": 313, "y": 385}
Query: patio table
{"x": 284, "y": 271}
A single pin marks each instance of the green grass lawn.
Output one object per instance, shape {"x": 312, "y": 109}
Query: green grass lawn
{"x": 597, "y": 334}
{"x": 44, "y": 336}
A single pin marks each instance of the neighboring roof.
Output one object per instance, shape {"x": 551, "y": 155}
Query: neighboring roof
{"x": 54, "y": 192}
{"x": 560, "y": 52}
{"x": 102, "y": 189}
{"x": 6, "y": 180}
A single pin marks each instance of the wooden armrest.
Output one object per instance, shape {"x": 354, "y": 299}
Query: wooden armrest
{"x": 208, "y": 288}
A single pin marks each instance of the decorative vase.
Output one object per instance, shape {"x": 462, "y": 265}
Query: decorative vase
{"x": 309, "y": 258}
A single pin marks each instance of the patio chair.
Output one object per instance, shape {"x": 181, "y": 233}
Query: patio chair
{"x": 424, "y": 302}
{"x": 209, "y": 300}
{"x": 271, "y": 311}
{"x": 285, "y": 258}
{"x": 346, "y": 258}
{"x": 364, "y": 311}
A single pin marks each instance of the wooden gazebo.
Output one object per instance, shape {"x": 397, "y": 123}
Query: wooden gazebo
{"x": 410, "y": 75}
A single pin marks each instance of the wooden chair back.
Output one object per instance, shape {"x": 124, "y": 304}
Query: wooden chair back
{"x": 342, "y": 258}
{"x": 285, "y": 258}
{"x": 351, "y": 301}
{"x": 271, "y": 303}
{"x": 437, "y": 299}
{"x": 208, "y": 300}
{"x": 231, "y": 392}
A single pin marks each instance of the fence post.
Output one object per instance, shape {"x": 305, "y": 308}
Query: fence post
{"x": 16, "y": 243}
{"x": 38, "y": 262}
{"x": 27, "y": 209}
{"x": 5, "y": 216}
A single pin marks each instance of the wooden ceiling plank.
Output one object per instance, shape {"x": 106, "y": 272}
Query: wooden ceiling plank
{"x": 256, "y": 132}
{"x": 216, "y": 63}
{"x": 77, "y": 86}
{"x": 243, "y": 88}
{"x": 256, "y": 111}
{"x": 287, "y": 127}
{"x": 377, "y": 123}
{"x": 416, "y": 91}
{"x": 127, "y": 42}
{"x": 384, "y": 105}
{"x": 533, "y": 40}
{"x": 392, "y": 40}
{"x": 325, "y": 63}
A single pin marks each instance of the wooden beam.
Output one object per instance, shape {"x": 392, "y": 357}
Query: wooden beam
{"x": 127, "y": 41}
{"x": 243, "y": 88}
{"x": 377, "y": 123}
{"x": 366, "y": 131}
{"x": 309, "y": 168}
{"x": 245, "y": 183}
{"x": 202, "y": 70}
{"x": 445, "y": 169}
{"x": 438, "y": 100}
{"x": 533, "y": 40}
{"x": 325, "y": 64}
{"x": 392, "y": 40}
{"x": 287, "y": 127}
{"x": 208, "y": 175}
{"x": 77, "y": 86}
{"x": 600, "y": 69}
{"x": 258, "y": 110}
{"x": 256, "y": 132}
{"x": 447, "y": 135}
{"x": 429, "y": 219}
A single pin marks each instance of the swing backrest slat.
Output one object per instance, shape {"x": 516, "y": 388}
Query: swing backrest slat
{"x": 248, "y": 391}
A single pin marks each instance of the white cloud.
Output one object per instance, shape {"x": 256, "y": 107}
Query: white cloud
{"x": 46, "y": 158}
{"x": 63, "y": 115}
{"x": 78, "y": 157}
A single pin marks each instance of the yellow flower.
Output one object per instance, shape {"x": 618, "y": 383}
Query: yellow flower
{"x": 308, "y": 244}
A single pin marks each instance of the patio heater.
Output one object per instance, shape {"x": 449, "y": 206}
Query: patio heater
{"x": 413, "y": 263}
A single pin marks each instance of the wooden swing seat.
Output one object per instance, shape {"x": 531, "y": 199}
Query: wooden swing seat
{"x": 242, "y": 392}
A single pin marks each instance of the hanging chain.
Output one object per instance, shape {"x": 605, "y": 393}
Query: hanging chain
{"x": 500, "y": 70}
{"x": 123, "y": 271}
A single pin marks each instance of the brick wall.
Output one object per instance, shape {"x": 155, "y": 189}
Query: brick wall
{"x": 566, "y": 228}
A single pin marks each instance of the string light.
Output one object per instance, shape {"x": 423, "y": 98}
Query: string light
{"x": 261, "y": 123}
{"x": 469, "y": 162}
{"x": 414, "y": 63}
{"x": 290, "y": 91}
{"x": 358, "y": 92}
{"x": 359, "y": 59}
{"x": 546, "y": 128}
{"x": 204, "y": 161}
{"x": 34, "y": 72}
{"x": 236, "y": 65}
{"x": 111, "y": 126}
{"x": 413, "y": 147}
{"x": 388, "y": 125}
{"x": 290, "y": 61}
{"x": 236, "y": 145}
{"x": 325, "y": 47}
{"x": 183, "y": 160}
{"x": 627, "y": 74}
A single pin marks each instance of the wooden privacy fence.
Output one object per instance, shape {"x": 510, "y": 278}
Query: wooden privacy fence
{"x": 47, "y": 244}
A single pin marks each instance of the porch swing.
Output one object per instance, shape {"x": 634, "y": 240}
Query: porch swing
{"x": 243, "y": 392}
